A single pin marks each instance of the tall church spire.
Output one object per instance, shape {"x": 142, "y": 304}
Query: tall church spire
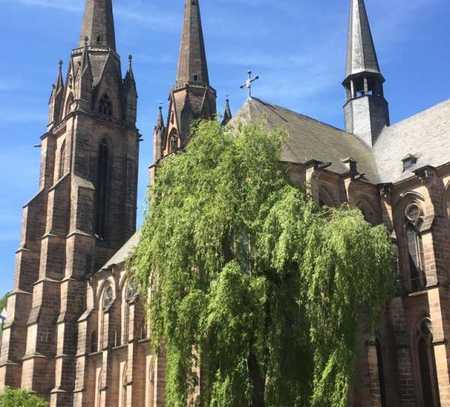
{"x": 192, "y": 64}
{"x": 361, "y": 53}
{"x": 366, "y": 110}
{"x": 98, "y": 24}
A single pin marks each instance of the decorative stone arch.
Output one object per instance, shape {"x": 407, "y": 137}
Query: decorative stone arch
{"x": 425, "y": 363}
{"x": 69, "y": 103}
{"x": 124, "y": 385}
{"x": 411, "y": 221}
{"x": 105, "y": 301}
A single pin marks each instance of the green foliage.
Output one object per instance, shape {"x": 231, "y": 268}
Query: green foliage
{"x": 251, "y": 281}
{"x": 20, "y": 398}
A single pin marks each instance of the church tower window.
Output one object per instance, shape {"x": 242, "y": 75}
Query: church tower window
{"x": 427, "y": 365}
{"x": 94, "y": 342}
{"x": 105, "y": 106}
{"x": 62, "y": 160}
{"x": 101, "y": 191}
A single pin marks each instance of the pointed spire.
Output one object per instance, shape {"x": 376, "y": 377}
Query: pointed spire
{"x": 361, "y": 54}
{"x": 159, "y": 119}
{"x": 129, "y": 77}
{"x": 227, "y": 116}
{"x": 98, "y": 24}
{"x": 60, "y": 80}
{"x": 192, "y": 64}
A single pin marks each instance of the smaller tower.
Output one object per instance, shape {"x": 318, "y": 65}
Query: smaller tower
{"x": 56, "y": 98}
{"x": 227, "y": 115}
{"x": 158, "y": 136}
{"x": 192, "y": 97}
{"x": 130, "y": 95}
{"x": 366, "y": 109}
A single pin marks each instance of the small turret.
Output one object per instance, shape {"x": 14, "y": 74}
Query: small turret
{"x": 159, "y": 136}
{"x": 227, "y": 115}
{"x": 84, "y": 80}
{"x": 130, "y": 95}
{"x": 56, "y": 98}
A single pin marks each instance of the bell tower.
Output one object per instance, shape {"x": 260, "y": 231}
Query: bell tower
{"x": 366, "y": 109}
{"x": 84, "y": 212}
{"x": 192, "y": 98}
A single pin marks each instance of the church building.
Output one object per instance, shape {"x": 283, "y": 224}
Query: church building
{"x": 76, "y": 329}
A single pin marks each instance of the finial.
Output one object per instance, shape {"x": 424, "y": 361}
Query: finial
{"x": 60, "y": 63}
{"x": 86, "y": 41}
{"x": 130, "y": 61}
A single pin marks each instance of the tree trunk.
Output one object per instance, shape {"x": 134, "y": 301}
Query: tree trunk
{"x": 257, "y": 381}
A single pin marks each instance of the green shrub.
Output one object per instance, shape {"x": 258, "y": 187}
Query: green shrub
{"x": 21, "y": 398}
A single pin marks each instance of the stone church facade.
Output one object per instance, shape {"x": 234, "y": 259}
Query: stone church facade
{"x": 76, "y": 328}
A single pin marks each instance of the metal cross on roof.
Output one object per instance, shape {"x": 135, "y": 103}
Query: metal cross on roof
{"x": 249, "y": 83}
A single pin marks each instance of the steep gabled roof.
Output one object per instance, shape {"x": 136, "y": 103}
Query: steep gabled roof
{"x": 310, "y": 139}
{"x": 426, "y": 136}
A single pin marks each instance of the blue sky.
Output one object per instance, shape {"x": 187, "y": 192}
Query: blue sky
{"x": 296, "y": 46}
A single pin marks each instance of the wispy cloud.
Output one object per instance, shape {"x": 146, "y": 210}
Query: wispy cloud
{"x": 65, "y": 5}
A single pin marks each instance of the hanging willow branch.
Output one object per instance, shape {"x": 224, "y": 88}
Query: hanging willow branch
{"x": 251, "y": 281}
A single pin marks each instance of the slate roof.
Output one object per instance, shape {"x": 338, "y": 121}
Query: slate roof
{"x": 124, "y": 253}
{"x": 310, "y": 139}
{"x": 425, "y": 135}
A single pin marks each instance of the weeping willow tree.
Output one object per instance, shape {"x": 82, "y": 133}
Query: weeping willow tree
{"x": 251, "y": 283}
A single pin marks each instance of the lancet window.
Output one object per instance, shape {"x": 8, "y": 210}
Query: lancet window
{"x": 427, "y": 365}
{"x": 101, "y": 191}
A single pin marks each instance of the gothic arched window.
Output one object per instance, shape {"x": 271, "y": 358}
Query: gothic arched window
{"x": 69, "y": 104}
{"x": 94, "y": 342}
{"x": 427, "y": 365}
{"x": 62, "y": 160}
{"x": 101, "y": 197}
{"x": 413, "y": 216}
{"x": 105, "y": 106}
